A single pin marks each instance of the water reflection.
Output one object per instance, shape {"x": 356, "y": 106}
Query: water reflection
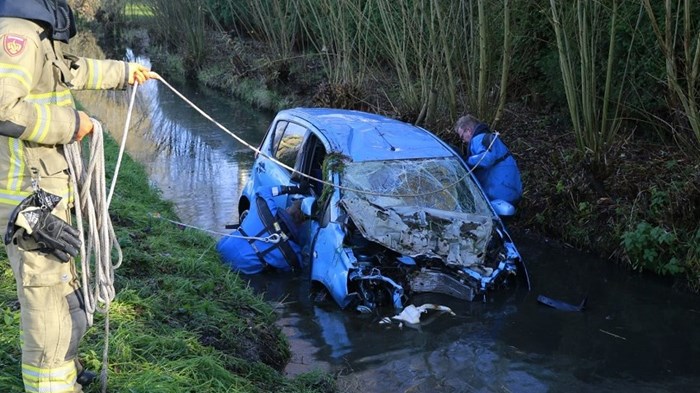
{"x": 637, "y": 335}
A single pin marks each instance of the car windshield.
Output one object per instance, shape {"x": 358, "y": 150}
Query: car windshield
{"x": 435, "y": 183}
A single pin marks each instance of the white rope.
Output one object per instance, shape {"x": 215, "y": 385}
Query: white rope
{"x": 273, "y": 238}
{"x": 94, "y": 224}
{"x": 123, "y": 144}
{"x": 98, "y": 239}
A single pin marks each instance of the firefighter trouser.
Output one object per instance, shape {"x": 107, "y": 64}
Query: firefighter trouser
{"x": 53, "y": 319}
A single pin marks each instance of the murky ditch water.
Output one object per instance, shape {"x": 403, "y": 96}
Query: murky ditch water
{"x": 635, "y": 335}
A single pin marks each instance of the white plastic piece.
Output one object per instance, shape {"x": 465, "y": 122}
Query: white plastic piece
{"x": 411, "y": 314}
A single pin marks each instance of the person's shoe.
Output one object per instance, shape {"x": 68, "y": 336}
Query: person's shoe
{"x": 86, "y": 377}
{"x": 503, "y": 208}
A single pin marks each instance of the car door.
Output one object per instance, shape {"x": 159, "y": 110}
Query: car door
{"x": 331, "y": 263}
{"x": 308, "y": 170}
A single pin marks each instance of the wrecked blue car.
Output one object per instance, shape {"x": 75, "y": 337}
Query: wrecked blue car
{"x": 393, "y": 211}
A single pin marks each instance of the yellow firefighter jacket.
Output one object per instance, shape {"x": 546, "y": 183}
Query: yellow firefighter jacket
{"x": 37, "y": 111}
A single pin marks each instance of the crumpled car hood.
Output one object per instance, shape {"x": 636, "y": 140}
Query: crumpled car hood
{"x": 459, "y": 239}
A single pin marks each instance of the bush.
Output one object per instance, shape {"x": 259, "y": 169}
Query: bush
{"x": 651, "y": 247}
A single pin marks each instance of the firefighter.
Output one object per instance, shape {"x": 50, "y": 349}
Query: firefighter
{"x": 494, "y": 166}
{"x": 246, "y": 252}
{"x": 38, "y": 117}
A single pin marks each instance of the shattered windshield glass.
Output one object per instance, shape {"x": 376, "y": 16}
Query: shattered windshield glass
{"x": 426, "y": 207}
{"x": 437, "y": 183}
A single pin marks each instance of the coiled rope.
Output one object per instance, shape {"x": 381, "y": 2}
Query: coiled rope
{"x": 99, "y": 243}
{"x": 94, "y": 224}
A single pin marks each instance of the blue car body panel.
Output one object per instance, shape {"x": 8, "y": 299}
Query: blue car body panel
{"x": 359, "y": 137}
{"x": 368, "y": 137}
{"x": 331, "y": 265}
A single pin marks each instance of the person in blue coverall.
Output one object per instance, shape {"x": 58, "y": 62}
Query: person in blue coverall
{"x": 245, "y": 251}
{"x": 493, "y": 165}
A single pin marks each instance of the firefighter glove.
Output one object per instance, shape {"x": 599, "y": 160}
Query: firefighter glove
{"x": 51, "y": 233}
{"x": 139, "y": 73}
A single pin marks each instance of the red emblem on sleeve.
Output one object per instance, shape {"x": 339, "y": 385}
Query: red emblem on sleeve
{"x": 14, "y": 44}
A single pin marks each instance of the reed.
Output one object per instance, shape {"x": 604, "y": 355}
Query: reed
{"x": 581, "y": 42}
{"x": 438, "y": 52}
{"x": 274, "y": 22}
{"x": 479, "y": 34}
{"x": 682, "y": 66}
{"x": 427, "y": 58}
{"x": 404, "y": 48}
{"x": 505, "y": 63}
{"x": 182, "y": 24}
{"x": 339, "y": 32}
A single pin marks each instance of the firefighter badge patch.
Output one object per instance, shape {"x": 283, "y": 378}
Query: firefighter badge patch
{"x": 14, "y": 44}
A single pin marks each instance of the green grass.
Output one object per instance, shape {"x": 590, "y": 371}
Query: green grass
{"x": 181, "y": 321}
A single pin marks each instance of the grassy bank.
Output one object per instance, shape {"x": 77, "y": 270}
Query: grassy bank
{"x": 181, "y": 322}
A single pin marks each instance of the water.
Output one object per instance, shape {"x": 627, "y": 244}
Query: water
{"x": 635, "y": 335}
{"x": 196, "y": 165}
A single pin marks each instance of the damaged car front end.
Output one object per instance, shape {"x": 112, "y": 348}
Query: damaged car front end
{"x": 410, "y": 226}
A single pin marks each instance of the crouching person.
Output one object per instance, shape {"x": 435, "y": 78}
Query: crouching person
{"x": 267, "y": 238}
{"x": 492, "y": 162}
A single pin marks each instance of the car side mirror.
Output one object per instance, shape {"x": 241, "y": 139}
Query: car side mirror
{"x": 307, "y": 205}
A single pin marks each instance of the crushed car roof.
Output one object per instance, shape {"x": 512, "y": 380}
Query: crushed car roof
{"x": 367, "y": 137}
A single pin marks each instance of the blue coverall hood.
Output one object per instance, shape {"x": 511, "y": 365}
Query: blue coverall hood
{"x": 481, "y": 128}
{"x": 56, "y": 14}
